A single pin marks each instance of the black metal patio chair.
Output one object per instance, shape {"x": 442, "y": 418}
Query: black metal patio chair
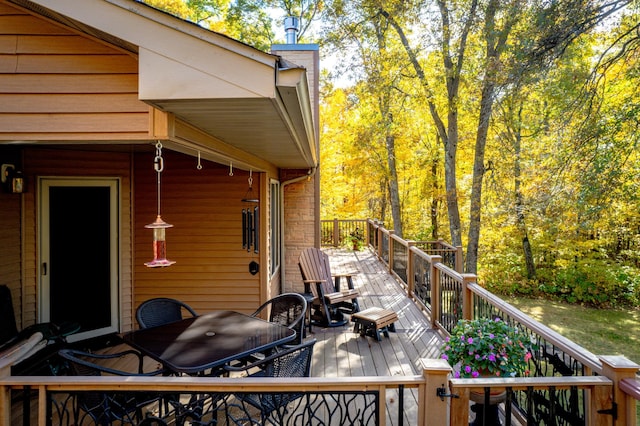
{"x": 294, "y": 361}
{"x": 162, "y": 310}
{"x": 105, "y": 408}
{"x": 287, "y": 309}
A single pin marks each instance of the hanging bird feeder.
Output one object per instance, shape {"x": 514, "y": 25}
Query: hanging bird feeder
{"x": 159, "y": 225}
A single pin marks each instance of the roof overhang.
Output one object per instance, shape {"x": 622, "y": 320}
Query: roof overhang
{"x": 251, "y": 100}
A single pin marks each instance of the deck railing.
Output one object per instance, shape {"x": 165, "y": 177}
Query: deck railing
{"x": 366, "y": 401}
{"x": 337, "y": 232}
{"x": 214, "y": 400}
{"x": 448, "y": 296}
{"x": 570, "y": 385}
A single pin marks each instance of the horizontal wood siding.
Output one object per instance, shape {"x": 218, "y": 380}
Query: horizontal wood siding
{"x": 10, "y": 247}
{"x": 211, "y": 270}
{"x": 58, "y": 85}
{"x": 68, "y": 163}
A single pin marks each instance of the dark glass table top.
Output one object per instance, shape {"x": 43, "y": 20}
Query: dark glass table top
{"x": 207, "y": 341}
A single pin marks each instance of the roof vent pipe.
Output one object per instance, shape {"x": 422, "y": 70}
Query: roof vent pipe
{"x": 291, "y": 29}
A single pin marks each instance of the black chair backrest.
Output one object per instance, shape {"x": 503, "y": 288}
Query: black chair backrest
{"x": 108, "y": 407}
{"x": 161, "y": 310}
{"x": 81, "y": 363}
{"x": 287, "y": 309}
{"x": 292, "y": 362}
{"x": 8, "y": 328}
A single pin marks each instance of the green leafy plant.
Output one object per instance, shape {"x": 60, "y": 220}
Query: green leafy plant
{"x": 356, "y": 239}
{"x": 487, "y": 347}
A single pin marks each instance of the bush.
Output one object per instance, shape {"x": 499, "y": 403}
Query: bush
{"x": 592, "y": 282}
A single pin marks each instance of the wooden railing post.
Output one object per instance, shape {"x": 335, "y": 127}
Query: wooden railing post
{"x": 459, "y": 260}
{"x": 391, "y": 232}
{"x": 434, "y": 276}
{"x": 616, "y": 368}
{"x": 467, "y": 296}
{"x": 5, "y": 406}
{"x": 336, "y": 232}
{"x": 411, "y": 274}
{"x": 434, "y": 411}
{"x": 366, "y": 232}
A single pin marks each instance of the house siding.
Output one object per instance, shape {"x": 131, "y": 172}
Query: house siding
{"x": 204, "y": 206}
{"x": 11, "y": 247}
{"x": 58, "y": 85}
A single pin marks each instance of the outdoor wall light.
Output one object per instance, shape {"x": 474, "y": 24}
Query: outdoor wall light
{"x": 159, "y": 225}
{"x": 11, "y": 179}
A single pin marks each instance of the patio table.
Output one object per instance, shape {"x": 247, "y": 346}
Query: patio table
{"x": 208, "y": 341}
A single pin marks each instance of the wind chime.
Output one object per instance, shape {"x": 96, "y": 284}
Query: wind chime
{"x": 159, "y": 225}
{"x": 250, "y": 219}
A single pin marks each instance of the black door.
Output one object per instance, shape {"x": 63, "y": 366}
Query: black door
{"x": 79, "y": 266}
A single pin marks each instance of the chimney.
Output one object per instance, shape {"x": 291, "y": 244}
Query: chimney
{"x": 291, "y": 29}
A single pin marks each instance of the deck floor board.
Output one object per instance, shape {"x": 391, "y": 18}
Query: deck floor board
{"x": 398, "y": 354}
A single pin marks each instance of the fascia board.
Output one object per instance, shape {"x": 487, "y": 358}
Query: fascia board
{"x": 293, "y": 91}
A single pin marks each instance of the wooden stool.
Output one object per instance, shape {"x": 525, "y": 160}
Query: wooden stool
{"x": 372, "y": 321}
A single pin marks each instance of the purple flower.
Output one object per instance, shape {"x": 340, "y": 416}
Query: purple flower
{"x": 445, "y": 357}
{"x": 467, "y": 369}
{"x": 470, "y": 340}
{"x": 475, "y": 374}
{"x": 491, "y": 336}
{"x": 492, "y": 357}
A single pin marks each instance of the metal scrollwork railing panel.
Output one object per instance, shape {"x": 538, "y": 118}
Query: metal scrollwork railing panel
{"x": 543, "y": 407}
{"x": 422, "y": 280}
{"x": 385, "y": 247}
{"x": 450, "y": 301}
{"x": 207, "y": 409}
{"x": 400, "y": 259}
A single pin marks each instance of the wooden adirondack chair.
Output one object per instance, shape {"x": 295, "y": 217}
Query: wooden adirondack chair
{"x": 330, "y": 303}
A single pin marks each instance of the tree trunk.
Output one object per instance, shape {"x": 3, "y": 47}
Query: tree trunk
{"x": 519, "y": 202}
{"x": 495, "y": 40}
{"x": 394, "y": 193}
{"x": 448, "y": 133}
{"x": 435, "y": 201}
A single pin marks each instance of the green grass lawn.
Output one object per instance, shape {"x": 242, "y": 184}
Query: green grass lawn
{"x": 601, "y": 331}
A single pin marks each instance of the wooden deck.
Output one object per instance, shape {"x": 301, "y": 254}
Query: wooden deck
{"x": 341, "y": 352}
